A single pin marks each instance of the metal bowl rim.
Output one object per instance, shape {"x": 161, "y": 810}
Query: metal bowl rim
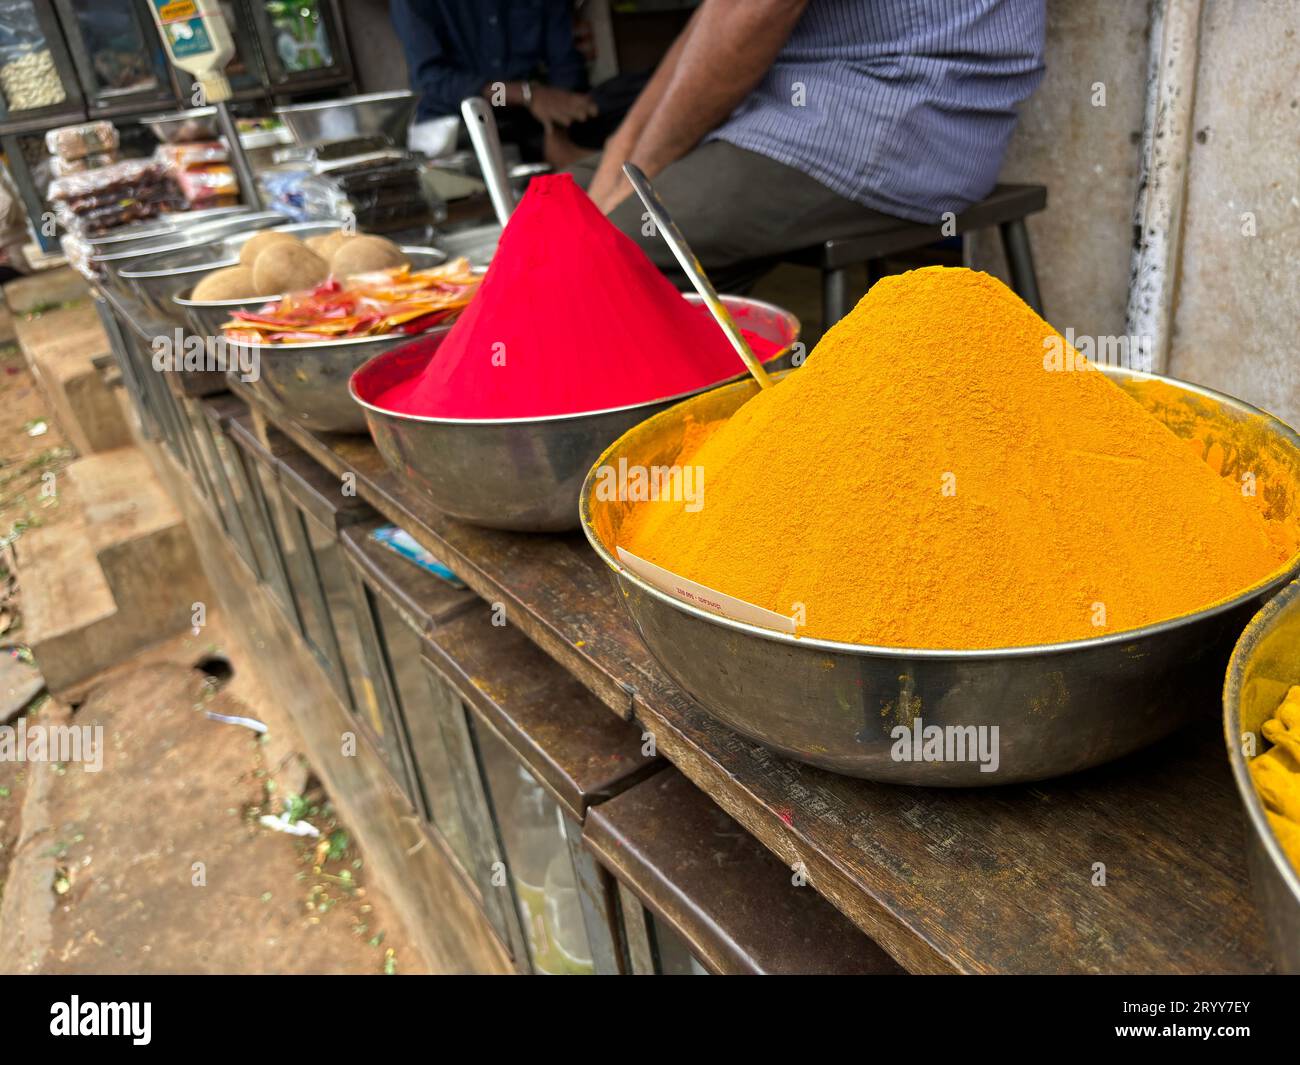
{"x": 176, "y": 116}
{"x": 183, "y": 301}
{"x": 149, "y": 275}
{"x": 1286, "y": 571}
{"x": 1232, "y": 733}
{"x": 190, "y": 240}
{"x": 543, "y": 419}
{"x": 344, "y": 102}
{"x": 165, "y": 226}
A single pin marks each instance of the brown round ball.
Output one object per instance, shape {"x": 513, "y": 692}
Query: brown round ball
{"x": 230, "y": 283}
{"x": 254, "y": 246}
{"x": 328, "y": 243}
{"x": 363, "y": 254}
{"x": 285, "y": 267}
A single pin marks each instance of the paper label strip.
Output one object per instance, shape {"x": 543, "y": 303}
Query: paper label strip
{"x": 714, "y": 602}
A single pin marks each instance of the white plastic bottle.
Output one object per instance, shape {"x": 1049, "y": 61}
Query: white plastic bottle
{"x": 198, "y": 41}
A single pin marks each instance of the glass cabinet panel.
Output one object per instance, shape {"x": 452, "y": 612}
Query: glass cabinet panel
{"x": 533, "y": 835}
{"x": 124, "y": 52}
{"x": 29, "y": 73}
{"x": 672, "y": 956}
{"x": 423, "y": 708}
{"x": 300, "y": 35}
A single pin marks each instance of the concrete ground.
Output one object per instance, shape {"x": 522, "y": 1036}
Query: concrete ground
{"x": 159, "y": 862}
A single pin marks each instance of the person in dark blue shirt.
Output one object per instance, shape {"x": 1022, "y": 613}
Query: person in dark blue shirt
{"x": 520, "y": 55}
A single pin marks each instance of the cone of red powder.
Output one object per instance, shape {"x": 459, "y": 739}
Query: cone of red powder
{"x": 571, "y": 318}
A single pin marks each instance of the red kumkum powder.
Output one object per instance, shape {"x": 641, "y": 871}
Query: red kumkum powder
{"x": 571, "y": 317}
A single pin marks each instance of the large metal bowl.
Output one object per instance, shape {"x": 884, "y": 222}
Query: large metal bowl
{"x": 477, "y": 244}
{"x": 388, "y": 113}
{"x": 1057, "y": 707}
{"x": 206, "y": 317}
{"x": 310, "y": 381}
{"x": 515, "y": 473}
{"x": 156, "y": 278}
{"x": 1263, "y": 667}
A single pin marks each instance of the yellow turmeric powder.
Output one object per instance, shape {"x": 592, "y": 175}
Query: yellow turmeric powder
{"x": 934, "y": 478}
{"x": 1276, "y": 773}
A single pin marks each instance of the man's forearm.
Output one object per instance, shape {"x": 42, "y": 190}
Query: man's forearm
{"x": 730, "y": 46}
{"x": 640, "y": 113}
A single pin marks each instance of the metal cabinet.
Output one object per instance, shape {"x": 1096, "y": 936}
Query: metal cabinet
{"x": 118, "y": 56}
{"x": 547, "y": 752}
{"x": 395, "y": 604}
{"x": 38, "y": 80}
{"x": 697, "y": 893}
{"x": 253, "y": 468}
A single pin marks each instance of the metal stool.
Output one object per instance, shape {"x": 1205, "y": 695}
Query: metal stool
{"x": 1006, "y": 207}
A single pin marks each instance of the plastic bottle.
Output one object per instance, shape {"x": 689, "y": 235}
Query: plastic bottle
{"x": 198, "y": 41}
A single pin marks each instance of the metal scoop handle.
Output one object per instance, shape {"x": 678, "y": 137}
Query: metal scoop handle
{"x": 483, "y": 134}
{"x": 691, "y": 265}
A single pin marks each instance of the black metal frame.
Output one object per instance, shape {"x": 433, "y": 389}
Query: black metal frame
{"x": 99, "y": 105}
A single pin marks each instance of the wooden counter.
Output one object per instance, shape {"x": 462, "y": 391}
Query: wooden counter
{"x": 1134, "y": 867}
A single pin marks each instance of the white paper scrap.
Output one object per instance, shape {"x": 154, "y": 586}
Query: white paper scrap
{"x": 714, "y": 602}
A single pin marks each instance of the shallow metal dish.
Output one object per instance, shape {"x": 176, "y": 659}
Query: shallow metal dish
{"x": 206, "y": 317}
{"x": 388, "y": 113}
{"x": 515, "y": 473}
{"x": 176, "y": 127}
{"x": 1263, "y": 667}
{"x": 110, "y": 263}
{"x": 174, "y": 222}
{"x": 1058, "y": 707}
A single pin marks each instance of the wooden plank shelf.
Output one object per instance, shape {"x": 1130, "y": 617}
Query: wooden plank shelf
{"x": 578, "y": 751}
{"x": 704, "y": 876}
{"x": 1134, "y": 867}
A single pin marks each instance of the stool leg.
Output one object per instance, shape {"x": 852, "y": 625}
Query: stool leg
{"x": 1020, "y": 260}
{"x": 835, "y": 296}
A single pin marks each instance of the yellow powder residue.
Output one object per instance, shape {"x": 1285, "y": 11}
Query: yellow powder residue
{"x": 1276, "y": 773}
{"x": 927, "y": 481}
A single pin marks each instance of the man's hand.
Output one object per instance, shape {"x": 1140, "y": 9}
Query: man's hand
{"x": 559, "y": 107}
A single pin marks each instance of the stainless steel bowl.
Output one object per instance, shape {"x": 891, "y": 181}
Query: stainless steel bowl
{"x": 478, "y": 244}
{"x": 1057, "y": 707}
{"x": 206, "y": 317}
{"x": 388, "y": 113}
{"x": 310, "y": 381}
{"x": 1262, "y": 668}
{"x": 514, "y": 473}
{"x": 155, "y": 279}
{"x": 177, "y": 127}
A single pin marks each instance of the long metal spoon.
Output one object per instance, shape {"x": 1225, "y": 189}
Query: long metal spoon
{"x": 691, "y": 265}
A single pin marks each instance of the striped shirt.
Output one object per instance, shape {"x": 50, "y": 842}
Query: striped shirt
{"x": 905, "y": 106}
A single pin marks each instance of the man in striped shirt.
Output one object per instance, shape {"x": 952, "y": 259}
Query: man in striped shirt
{"x": 772, "y": 125}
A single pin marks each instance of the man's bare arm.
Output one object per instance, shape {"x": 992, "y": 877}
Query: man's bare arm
{"x": 729, "y": 47}
{"x": 608, "y": 179}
